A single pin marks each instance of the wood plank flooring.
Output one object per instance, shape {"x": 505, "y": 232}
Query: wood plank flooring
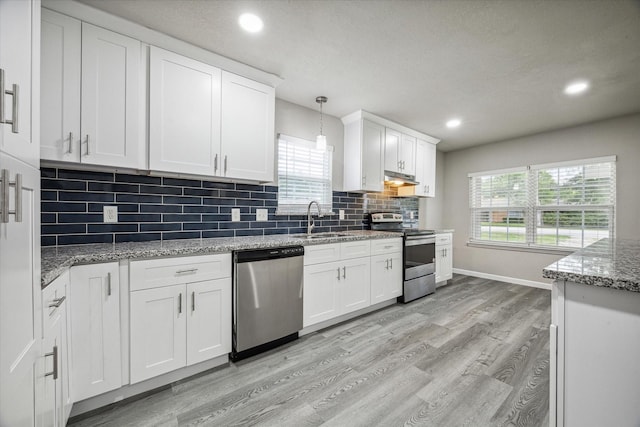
{"x": 476, "y": 353}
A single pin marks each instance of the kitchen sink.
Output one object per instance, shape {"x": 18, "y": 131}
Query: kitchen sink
{"x": 321, "y": 235}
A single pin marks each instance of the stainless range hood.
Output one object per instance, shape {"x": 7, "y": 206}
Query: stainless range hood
{"x": 400, "y": 178}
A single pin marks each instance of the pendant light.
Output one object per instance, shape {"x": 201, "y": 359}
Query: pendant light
{"x": 321, "y": 140}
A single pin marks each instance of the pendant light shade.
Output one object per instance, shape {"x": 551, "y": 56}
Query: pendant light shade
{"x": 321, "y": 140}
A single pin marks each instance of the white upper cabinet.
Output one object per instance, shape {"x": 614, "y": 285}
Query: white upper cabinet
{"x": 91, "y": 93}
{"x": 19, "y": 56}
{"x": 184, "y": 114}
{"x": 248, "y": 140}
{"x": 204, "y": 121}
{"x": 60, "y": 91}
{"x": 425, "y": 169}
{"x": 363, "y": 154}
{"x": 399, "y": 152}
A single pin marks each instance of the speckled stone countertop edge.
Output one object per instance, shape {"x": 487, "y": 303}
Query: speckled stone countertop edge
{"x": 57, "y": 259}
{"x": 608, "y": 263}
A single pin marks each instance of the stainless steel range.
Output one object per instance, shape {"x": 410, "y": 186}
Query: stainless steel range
{"x": 419, "y": 255}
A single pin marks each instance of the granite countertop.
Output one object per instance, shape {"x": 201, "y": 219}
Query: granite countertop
{"x": 55, "y": 260}
{"x": 610, "y": 263}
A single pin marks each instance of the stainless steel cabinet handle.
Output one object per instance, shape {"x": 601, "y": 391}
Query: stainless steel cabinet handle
{"x": 391, "y": 263}
{"x": 180, "y": 303}
{"x": 5, "y": 185}
{"x": 387, "y": 264}
{"x": 225, "y": 165}
{"x": 87, "y": 153}
{"x": 70, "y": 150}
{"x": 338, "y": 273}
{"x": 190, "y": 270}
{"x": 109, "y": 284}
{"x": 54, "y": 353}
{"x": 215, "y": 164}
{"x": 399, "y": 165}
{"x": 57, "y": 302}
{"x": 14, "y": 108}
{"x": 193, "y": 301}
{"x": 344, "y": 272}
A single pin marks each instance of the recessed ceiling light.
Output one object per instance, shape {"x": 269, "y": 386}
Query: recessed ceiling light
{"x": 576, "y": 88}
{"x": 250, "y": 22}
{"x": 454, "y": 123}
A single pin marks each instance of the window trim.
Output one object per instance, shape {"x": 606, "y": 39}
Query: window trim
{"x": 532, "y": 206}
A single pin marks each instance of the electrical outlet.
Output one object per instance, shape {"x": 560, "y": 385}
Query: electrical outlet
{"x": 235, "y": 214}
{"x": 261, "y": 214}
{"x": 341, "y": 213}
{"x": 110, "y": 214}
{"x": 411, "y": 215}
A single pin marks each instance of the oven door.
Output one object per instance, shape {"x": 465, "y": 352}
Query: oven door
{"x": 419, "y": 256}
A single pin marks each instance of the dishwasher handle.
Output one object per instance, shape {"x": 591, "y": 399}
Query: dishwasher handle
{"x": 267, "y": 254}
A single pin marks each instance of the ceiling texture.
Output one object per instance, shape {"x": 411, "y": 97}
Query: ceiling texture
{"x": 498, "y": 65}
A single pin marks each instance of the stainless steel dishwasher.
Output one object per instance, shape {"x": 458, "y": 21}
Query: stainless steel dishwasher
{"x": 267, "y": 299}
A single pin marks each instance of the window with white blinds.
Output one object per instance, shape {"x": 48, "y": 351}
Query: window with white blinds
{"x": 304, "y": 174}
{"x": 561, "y": 205}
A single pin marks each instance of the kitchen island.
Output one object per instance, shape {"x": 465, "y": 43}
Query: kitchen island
{"x": 595, "y": 336}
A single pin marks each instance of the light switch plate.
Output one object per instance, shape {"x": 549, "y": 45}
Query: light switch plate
{"x": 341, "y": 213}
{"x": 261, "y": 214}
{"x": 235, "y": 214}
{"x": 110, "y": 214}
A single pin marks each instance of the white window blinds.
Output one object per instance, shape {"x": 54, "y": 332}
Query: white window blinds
{"x": 304, "y": 174}
{"x": 565, "y": 205}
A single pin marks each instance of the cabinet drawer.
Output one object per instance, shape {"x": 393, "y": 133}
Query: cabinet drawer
{"x": 315, "y": 254}
{"x": 386, "y": 246}
{"x": 357, "y": 249}
{"x": 54, "y": 295}
{"x": 443, "y": 239}
{"x": 154, "y": 273}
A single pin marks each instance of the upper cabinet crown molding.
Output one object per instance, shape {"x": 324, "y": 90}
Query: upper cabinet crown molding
{"x": 362, "y": 114}
{"x": 146, "y": 35}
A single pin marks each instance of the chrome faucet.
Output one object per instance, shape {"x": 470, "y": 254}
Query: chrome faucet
{"x": 310, "y": 223}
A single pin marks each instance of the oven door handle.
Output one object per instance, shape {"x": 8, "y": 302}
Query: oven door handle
{"x": 416, "y": 242}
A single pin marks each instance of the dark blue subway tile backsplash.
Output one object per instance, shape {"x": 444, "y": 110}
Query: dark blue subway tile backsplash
{"x": 162, "y": 208}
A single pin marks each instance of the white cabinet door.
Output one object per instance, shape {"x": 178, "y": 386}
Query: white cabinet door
{"x": 372, "y": 156}
{"x": 56, "y": 348}
{"x": 21, "y": 362}
{"x": 184, "y": 114}
{"x": 19, "y": 62}
{"x": 407, "y": 154}
{"x": 392, "y": 143}
{"x": 95, "y": 329}
{"x": 60, "y": 87}
{"x": 444, "y": 257}
{"x": 247, "y": 123}
{"x": 209, "y": 319}
{"x": 321, "y": 292}
{"x": 425, "y": 169}
{"x": 355, "y": 288}
{"x": 110, "y": 99}
{"x": 386, "y": 277}
{"x": 158, "y": 331}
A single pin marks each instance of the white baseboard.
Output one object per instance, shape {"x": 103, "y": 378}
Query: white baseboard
{"x": 513, "y": 280}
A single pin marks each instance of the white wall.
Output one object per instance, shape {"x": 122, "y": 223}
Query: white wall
{"x": 295, "y": 120}
{"x": 619, "y": 136}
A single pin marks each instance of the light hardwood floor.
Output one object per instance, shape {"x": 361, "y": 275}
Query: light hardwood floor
{"x": 476, "y": 353}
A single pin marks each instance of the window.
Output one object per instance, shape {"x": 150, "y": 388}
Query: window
{"x": 304, "y": 174}
{"x": 562, "y": 205}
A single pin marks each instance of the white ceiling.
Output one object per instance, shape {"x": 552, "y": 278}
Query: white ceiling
{"x": 499, "y": 65}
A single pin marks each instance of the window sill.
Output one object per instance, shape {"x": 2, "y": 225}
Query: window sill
{"x": 517, "y": 248}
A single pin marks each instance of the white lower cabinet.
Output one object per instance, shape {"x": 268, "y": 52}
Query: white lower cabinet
{"x": 180, "y": 322}
{"x": 444, "y": 257}
{"x": 341, "y": 278}
{"x": 95, "y": 329}
{"x": 57, "y": 396}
